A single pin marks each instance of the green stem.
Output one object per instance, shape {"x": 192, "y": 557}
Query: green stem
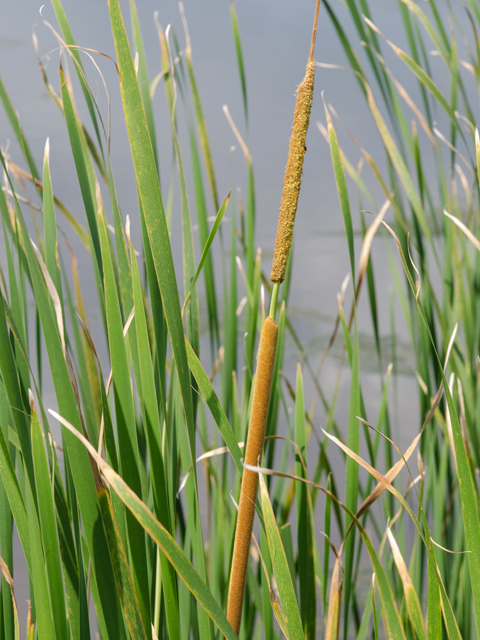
{"x": 273, "y": 301}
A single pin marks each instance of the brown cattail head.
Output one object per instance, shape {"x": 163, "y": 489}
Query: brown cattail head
{"x": 253, "y": 453}
{"x": 293, "y": 175}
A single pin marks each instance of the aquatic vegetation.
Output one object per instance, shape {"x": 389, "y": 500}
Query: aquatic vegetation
{"x": 113, "y": 510}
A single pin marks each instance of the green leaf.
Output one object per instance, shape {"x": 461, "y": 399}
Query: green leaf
{"x": 201, "y": 124}
{"x": 152, "y": 206}
{"x": 143, "y": 81}
{"x": 216, "y": 408}
{"x": 400, "y": 166}
{"x": 342, "y": 191}
{"x": 351, "y": 478}
{"x": 49, "y": 223}
{"x": 207, "y": 245}
{"x": 281, "y": 571}
{"x": 238, "y": 49}
{"x": 74, "y": 52}
{"x": 306, "y": 540}
{"x": 43, "y": 603}
{"x": 75, "y": 135}
{"x": 48, "y": 528}
{"x": 123, "y": 577}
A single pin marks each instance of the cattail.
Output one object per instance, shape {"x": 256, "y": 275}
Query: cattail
{"x": 268, "y": 342}
{"x": 253, "y": 453}
{"x": 293, "y": 175}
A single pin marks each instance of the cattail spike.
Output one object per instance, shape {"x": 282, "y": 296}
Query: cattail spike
{"x": 293, "y": 175}
{"x": 253, "y": 453}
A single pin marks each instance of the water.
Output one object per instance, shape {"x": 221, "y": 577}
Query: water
{"x": 275, "y": 40}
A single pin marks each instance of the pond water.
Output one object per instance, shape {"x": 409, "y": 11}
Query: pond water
{"x": 275, "y": 39}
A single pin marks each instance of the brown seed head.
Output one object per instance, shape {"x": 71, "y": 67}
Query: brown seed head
{"x": 293, "y": 175}
{"x": 253, "y": 453}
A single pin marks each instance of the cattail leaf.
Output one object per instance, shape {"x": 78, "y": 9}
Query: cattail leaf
{"x": 208, "y": 244}
{"x": 49, "y": 224}
{"x": 334, "y": 605}
{"x": 399, "y": 165}
{"x": 426, "y": 81}
{"x": 6, "y": 533}
{"x": 281, "y": 571}
{"x": 230, "y": 323}
{"x": 12, "y": 385}
{"x": 351, "y": 477}
{"x": 43, "y": 603}
{"x": 434, "y": 611}
{"x": 326, "y": 546}
{"x": 81, "y": 164}
{"x": 413, "y": 603}
{"x": 189, "y": 275}
{"x": 70, "y": 41}
{"x": 342, "y": 190}
{"x": 306, "y": 540}
{"x": 15, "y": 499}
{"x": 200, "y": 119}
{"x": 153, "y": 215}
{"x": 238, "y": 50}
{"x": 142, "y": 75}
{"x": 208, "y": 392}
{"x": 125, "y": 585}
{"x": 374, "y": 610}
{"x": 366, "y": 615}
{"x": 152, "y": 207}
{"x": 202, "y": 218}
{"x": 48, "y": 528}
{"x": 14, "y": 120}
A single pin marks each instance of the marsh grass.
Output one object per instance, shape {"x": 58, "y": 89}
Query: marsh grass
{"x": 113, "y": 514}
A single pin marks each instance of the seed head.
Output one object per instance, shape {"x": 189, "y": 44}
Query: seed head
{"x": 293, "y": 175}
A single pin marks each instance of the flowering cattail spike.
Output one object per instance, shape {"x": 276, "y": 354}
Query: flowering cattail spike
{"x": 293, "y": 171}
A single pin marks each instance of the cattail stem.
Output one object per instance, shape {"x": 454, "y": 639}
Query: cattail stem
{"x": 253, "y": 454}
{"x": 273, "y": 300}
{"x": 314, "y": 32}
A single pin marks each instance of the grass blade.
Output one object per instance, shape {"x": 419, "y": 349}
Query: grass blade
{"x": 281, "y": 571}
{"x": 306, "y": 541}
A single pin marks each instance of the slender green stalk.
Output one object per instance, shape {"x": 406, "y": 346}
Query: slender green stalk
{"x": 273, "y": 300}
